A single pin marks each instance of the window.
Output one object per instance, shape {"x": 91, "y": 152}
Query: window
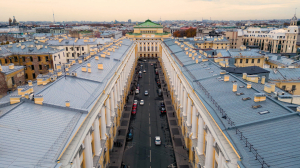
{"x": 72, "y": 54}
{"x": 10, "y": 60}
{"x": 247, "y": 61}
{"x": 12, "y": 80}
{"x": 40, "y": 67}
{"x": 32, "y": 67}
{"x": 241, "y": 60}
{"x": 72, "y": 48}
{"x": 82, "y": 48}
{"x": 77, "y": 54}
{"x": 140, "y": 48}
{"x": 155, "y": 48}
{"x": 26, "y": 76}
{"x": 39, "y": 58}
{"x": 258, "y": 61}
{"x": 283, "y": 87}
{"x": 205, "y": 147}
{"x": 235, "y": 61}
{"x": 33, "y": 75}
{"x": 5, "y": 61}
{"x": 293, "y": 87}
{"x": 16, "y": 59}
{"x": 252, "y": 61}
{"x": 23, "y": 59}
{"x": 31, "y": 59}
{"x": 77, "y": 48}
{"x": 66, "y": 48}
{"x": 47, "y": 67}
{"x": 46, "y": 58}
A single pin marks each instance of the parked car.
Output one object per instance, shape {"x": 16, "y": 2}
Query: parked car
{"x": 142, "y": 102}
{"x": 163, "y": 110}
{"x": 159, "y": 92}
{"x": 156, "y": 71}
{"x": 133, "y": 111}
{"x": 137, "y": 91}
{"x": 140, "y": 75}
{"x": 135, "y": 102}
{"x": 130, "y": 134}
{"x": 134, "y": 106}
{"x": 157, "y": 140}
{"x": 146, "y": 93}
{"x": 162, "y": 104}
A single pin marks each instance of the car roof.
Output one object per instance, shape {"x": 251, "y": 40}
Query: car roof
{"x": 157, "y": 137}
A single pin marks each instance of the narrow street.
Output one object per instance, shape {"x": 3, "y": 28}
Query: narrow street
{"x": 147, "y": 123}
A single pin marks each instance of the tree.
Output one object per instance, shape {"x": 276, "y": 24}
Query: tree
{"x": 7, "y": 42}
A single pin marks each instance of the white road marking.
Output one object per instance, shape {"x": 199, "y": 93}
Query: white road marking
{"x": 150, "y": 155}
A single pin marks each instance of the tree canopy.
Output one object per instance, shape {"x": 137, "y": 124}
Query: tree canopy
{"x": 191, "y": 32}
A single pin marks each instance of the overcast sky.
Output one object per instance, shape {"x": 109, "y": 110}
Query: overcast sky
{"x": 140, "y": 10}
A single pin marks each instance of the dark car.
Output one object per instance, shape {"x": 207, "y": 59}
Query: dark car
{"x": 140, "y": 75}
{"x": 130, "y": 134}
{"x": 156, "y": 71}
{"x": 133, "y": 111}
{"x": 162, "y": 104}
{"x": 159, "y": 92}
{"x": 163, "y": 110}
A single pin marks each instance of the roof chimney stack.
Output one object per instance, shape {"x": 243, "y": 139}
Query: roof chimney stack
{"x": 67, "y": 103}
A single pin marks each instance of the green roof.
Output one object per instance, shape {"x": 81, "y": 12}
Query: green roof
{"x": 148, "y": 24}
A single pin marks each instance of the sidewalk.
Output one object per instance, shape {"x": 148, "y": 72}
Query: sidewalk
{"x": 116, "y": 154}
{"x": 181, "y": 155}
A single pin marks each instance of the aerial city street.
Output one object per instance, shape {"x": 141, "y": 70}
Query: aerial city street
{"x": 149, "y": 84}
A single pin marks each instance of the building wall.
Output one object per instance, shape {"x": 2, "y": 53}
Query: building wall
{"x": 148, "y": 48}
{"x": 235, "y": 41}
{"x": 245, "y": 62}
{"x": 15, "y": 79}
{"x": 3, "y": 85}
{"x": 288, "y": 86}
{"x": 211, "y": 44}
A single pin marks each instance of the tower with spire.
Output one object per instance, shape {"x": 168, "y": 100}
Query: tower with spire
{"x": 294, "y": 20}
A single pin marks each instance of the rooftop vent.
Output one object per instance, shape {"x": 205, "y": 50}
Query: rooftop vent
{"x": 238, "y": 94}
{"x": 249, "y": 85}
{"x": 256, "y": 106}
{"x": 226, "y": 78}
{"x": 246, "y": 98}
{"x": 67, "y": 103}
{"x": 234, "y": 88}
{"x": 258, "y": 97}
{"x": 263, "y": 112}
{"x": 241, "y": 86}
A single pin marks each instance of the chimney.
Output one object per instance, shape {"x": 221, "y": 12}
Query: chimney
{"x": 26, "y": 95}
{"x": 38, "y": 99}
{"x": 190, "y": 54}
{"x": 29, "y": 83}
{"x": 14, "y": 99}
{"x": 0, "y": 68}
{"x": 223, "y": 72}
{"x": 89, "y": 70}
{"x": 11, "y": 66}
{"x": 258, "y": 97}
{"x": 244, "y": 75}
{"x": 298, "y": 109}
{"x": 96, "y": 58}
{"x": 234, "y": 88}
{"x": 226, "y": 78}
{"x": 196, "y": 61}
{"x": 79, "y": 61}
{"x": 249, "y": 85}
{"x": 193, "y": 58}
{"x": 100, "y": 66}
{"x": 199, "y": 56}
{"x": 186, "y": 53}
{"x": 58, "y": 66}
{"x": 83, "y": 68}
{"x": 263, "y": 80}
{"x": 51, "y": 70}
{"x": 267, "y": 88}
{"x": 103, "y": 55}
{"x": 88, "y": 64}
{"x": 67, "y": 103}
{"x": 272, "y": 85}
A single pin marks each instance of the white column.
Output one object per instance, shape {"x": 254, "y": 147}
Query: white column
{"x": 184, "y": 102}
{"x": 115, "y": 97}
{"x": 181, "y": 94}
{"x": 88, "y": 151}
{"x": 189, "y": 111}
{"x": 220, "y": 160}
{"x": 103, "y": 124}
{"x": 108, "y": 117}
{"x": 200, "y": 136}
{"x": 77, "y": 161}
{"x": 194, "y": 121}
{"x": 111, "y": 100}
{"x": 97, "y": 137}
{"x": 223, "y": 162}
{"x": 209, "y": 151}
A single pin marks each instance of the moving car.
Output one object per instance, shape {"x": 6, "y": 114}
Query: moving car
{"x": 140, "y": 75}
{"x": 156, "y": 71}
{"x": 159, "y": 92}
{"x": 157, "y": 140}
{"x": 133, "y": 111}
{"x": 142, "y": 102}
{"x": 162, "y": 104}
{"x": 146, "y": 93}
{"x": 163, "y": 110}
{"x": 144, "y": 71}
{"x": 145, "y": 60}
{"x": 140, "y": 72}
{"x": 130, "y": 134}
{"x": 135, "y": 102}
{"x": 137, "y": 91}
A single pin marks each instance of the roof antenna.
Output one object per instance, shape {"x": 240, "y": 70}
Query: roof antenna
{"x": 53, "y": 17}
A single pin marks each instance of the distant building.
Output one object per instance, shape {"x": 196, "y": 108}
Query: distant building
{"x": 214, "y": 43}
{"x": 10, "y": 77}
{"x": 129, "y": 20}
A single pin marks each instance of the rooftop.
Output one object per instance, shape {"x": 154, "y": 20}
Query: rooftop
{"x": 148, "y": 24}
{"x": 6, "y": 70}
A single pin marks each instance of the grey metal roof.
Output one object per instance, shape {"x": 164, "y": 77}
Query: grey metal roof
{"x": 71, "y": 41}
{"x": 15, "y": 49}
{"x": 272, "y": 134}
{"x": 34, "y": 135}
{"x": 284, "y": 74}
{"x": 6, "y": 70}
{"x": 239, "y": 53}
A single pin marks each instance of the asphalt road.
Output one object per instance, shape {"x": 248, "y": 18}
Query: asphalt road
{"x": 141, "y": 152}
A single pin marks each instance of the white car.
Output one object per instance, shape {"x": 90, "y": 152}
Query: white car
{"x": 135, "y": 102}
{"x": 142, "y": 102}
{"x": 146, "y": 92}
{"x": 144, "y": 71}
{"x": 157, "y": 140}
{"x": 140, "y": 72}
{"x": 137, "y": 91}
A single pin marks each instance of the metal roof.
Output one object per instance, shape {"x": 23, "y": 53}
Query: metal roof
{"x": 273, "y": 134}
{"x": 6, "y": 70}
{"x": 284, "y": 74}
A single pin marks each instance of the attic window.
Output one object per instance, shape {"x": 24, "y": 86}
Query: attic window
{"x": 246, "y": 98}
{"x": 242, "y": 86}
{"x": 238, "y": 94}
{"x": 211, "y": 71}
{"x": 256, "y": 106}
{"x": 219, "y": 77}
{"x": 263, "y": 112}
